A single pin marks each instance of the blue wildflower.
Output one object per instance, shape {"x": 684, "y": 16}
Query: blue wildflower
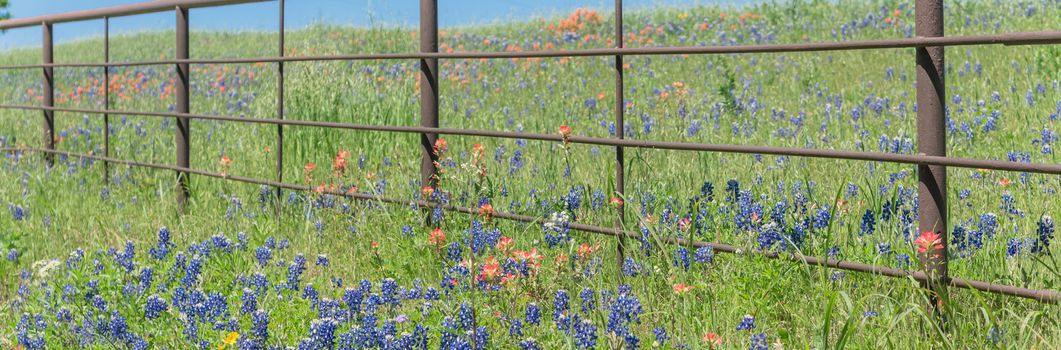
{"x": 154, "y": 307}
{"x": 747, "y": 323}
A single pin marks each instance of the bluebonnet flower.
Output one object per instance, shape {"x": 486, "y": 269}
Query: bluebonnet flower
{"x": 529, "y": 344}
{"x": 1009, "y": 205}
{"x": 557, "y": 229}
{"x": 482, "y": 338}
{"x": 869, "y": 314}
{"x": 837, "y": 276}
{"x": 118, "y": 328}
{"x": 154, "y": 307}
{"x": 249, "y": 302}
{"x": 322, "y": 260}
{"x": 322, "y": 333}
{"x": 631, "y": 267}
{"x": 585, "y": 334}
{"x": 903, "y": 260}
{"x": 27, "y": 324}
{"x": 869, "y": 223}
{"x": 124, "y": 259}
{"x": 533, "y": 314}
{"x": 661, "y": 335}
{"x": 561, "y": 304}
{"x": 769, "y": 235}
{"x": 221, "y": 242}
{"x": 12, "y": 255}
{"x": 389, "y": 291}
{"x": 589, "y": 299}
{"x": 704, "y": 255}
{"x": 161, "y": 251}
{"x": 1044, "y": 234}
{"x": 147, "y": 276}
{"x": 516, "y": 328}
{"x": 17, "y": 212}
{"x": 821, "y": 218}
{"x": 71, "y": 261}
{"x": 516, "y": 163}
{"x": 258, "y": 282}
{"x": 192, "y": 271}
{"x": 996, "y": 335}
{"x": 624, "y": 311}
{"x": 294, "y": 271}
{"x": 747, "y": 323}
{"x": 353, "y": 298}
{"x": 884, "y": 249}
{"x": 732, "y": 190}
{"x": 758, "y": 342}
{"x": 262, "y": 255}
{"x": 481, "y": 239}
{"x": 215, "y": 307}
{"x": 465, "y": 317}
{"x": 681, "y": 258}
{"x": 646, "y": 243}
{"x": 707, "y": 191}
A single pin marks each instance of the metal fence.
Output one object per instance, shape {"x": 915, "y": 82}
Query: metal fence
{"x": 931, "y": 160}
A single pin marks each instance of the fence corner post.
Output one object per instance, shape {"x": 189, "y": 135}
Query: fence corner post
{"x": 931, "y": 141}
{"x": 428, "y": 92}
{"x": 183, "y": 123}
{"x": 49, "y": 93}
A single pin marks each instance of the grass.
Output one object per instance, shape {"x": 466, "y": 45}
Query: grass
{"x": 850, "y": 100}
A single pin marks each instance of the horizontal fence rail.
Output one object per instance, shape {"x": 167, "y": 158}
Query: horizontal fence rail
{"x": 1042, "y": 295}
{"x": 1009, "y": 39}
{"x": 118, "y": 11}
{"x": 971, "y": 163}
{"x": 932, "y": 161}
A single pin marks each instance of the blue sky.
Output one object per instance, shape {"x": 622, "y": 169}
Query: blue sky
{"x": 299, "y": 13}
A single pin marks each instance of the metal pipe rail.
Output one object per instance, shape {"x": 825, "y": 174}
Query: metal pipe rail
{"x": 1041, "y": 295}
{"x": 118, "y": 11}
{"x": 1008, "y": 39}
{"x": 1041, "y": 168}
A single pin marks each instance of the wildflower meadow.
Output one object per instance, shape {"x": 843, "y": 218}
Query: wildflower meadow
{"x": 105, "y": 260}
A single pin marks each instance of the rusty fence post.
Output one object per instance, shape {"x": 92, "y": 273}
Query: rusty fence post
{"x": 49, "y": 92}
{"x": 620, "y": 164}
{"x": 106, "y": 98}
{"x": 931, "y": 141}
{"x": 280, "y": 115}
{"x": 183, "y": 123}
{"x": 428, "y": 92}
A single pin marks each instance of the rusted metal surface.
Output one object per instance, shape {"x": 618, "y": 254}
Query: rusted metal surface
{"x": 620, "y": 111}
{"x": 931, "y": 141}
{"x": 1015, "y": 38}
{"x": 428, "y": 92}
{"x": 117, "y": 11}
{"x": 183, "y": 94}
{"x": 280, "y": 111}
{"x": 106, "y": 98}
{"x": 1041, "y": 168}
{"x": 49, "y": 91}
{"x": 1041, "y": 295}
